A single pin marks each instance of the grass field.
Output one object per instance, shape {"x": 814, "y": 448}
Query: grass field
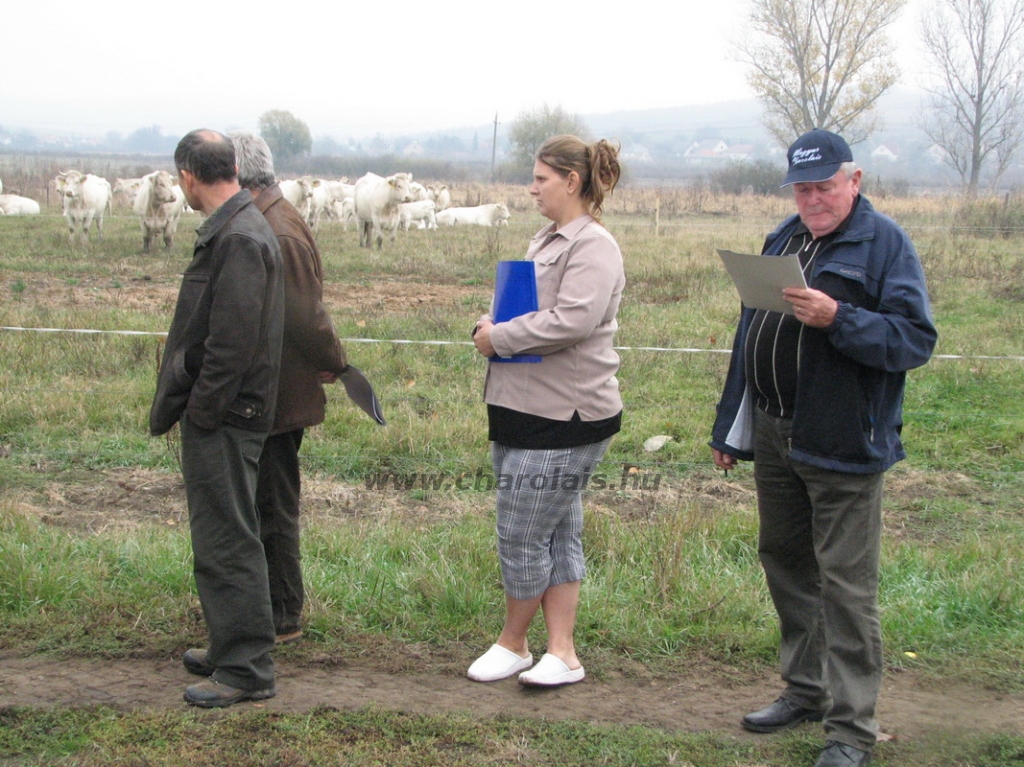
{"x": 398, "y": 546}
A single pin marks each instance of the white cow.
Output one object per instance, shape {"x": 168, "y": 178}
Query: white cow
{"x": 420, "y": 212}
{"x": 492, "y": 214}
{"x": 297, "y": 192}
{"x": 337, "y": 191}
{"x": 125, "y": 191}
{"x": 317, "y": 203}
{"x": 376, "y": 205}
{"x": 343, "y": 210}
{"x": 417, "y": 191}
{"x": 440, "y": 195}
{"x": 85, "y": 198}
{"x": 158, "y": 205}
{"x": 13, "y": 205}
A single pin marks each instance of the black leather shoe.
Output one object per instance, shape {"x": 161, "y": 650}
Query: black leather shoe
{"x": 841, "y": 755}
{"x": 213, "y": 694}
{"x": 780, "y": 715}
{"x": 195, "y": 662}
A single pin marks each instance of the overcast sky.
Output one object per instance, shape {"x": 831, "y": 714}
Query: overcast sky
{"x": 358, "y": 68}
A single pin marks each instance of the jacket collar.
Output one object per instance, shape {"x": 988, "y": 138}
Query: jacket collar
{"x": 268, "y": 197}
{"x": 861, "y": 224}
{"x": 220, "y": 217}
{"x": 569, "y": 231}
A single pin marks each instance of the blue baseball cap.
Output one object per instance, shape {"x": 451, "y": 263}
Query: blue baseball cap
{"x": 816, "y": 156}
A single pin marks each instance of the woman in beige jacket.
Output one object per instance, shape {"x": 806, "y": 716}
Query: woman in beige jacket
{"x": 550, "y": 422}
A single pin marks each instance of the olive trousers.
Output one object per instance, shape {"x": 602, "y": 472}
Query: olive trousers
{"x": 819, "y": 543}
{"x": 220, "y": 467}
{"x": 277, "y": 502}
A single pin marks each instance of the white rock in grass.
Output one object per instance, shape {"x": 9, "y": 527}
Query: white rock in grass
{"x": 656, "y": 443}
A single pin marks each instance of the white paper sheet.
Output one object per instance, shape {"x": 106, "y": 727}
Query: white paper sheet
{"x": 760, "y": 279}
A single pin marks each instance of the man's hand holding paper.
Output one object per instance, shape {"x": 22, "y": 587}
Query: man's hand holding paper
{"x": 812, "y": 307}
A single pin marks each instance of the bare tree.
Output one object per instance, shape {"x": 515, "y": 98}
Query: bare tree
{"x": 532, "y": 127}
{"x": 820, "y": 64}
{"x": 976, "y": 48}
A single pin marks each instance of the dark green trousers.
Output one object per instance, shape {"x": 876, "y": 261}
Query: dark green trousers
{"x": 277, "y": 503}
{"x": 819, "y": 544}
{"x": 220, "y": 469}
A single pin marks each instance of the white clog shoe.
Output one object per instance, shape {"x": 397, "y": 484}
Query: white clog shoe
{"x": 550, "y": 671}
{"x": 497, "y": 663}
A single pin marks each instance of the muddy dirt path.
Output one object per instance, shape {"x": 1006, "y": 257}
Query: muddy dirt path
{"x": 910, "y": 707}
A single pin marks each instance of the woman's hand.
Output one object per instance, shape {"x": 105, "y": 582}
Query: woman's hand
{"x": 482, "y": 338}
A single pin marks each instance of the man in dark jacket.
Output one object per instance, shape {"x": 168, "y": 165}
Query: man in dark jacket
{"x": 311, "y": 355}
{"x": 815, "y": 397}
{"x": 218, "y": 379}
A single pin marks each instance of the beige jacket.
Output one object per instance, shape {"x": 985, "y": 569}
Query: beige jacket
{"x": 579, "y": 285}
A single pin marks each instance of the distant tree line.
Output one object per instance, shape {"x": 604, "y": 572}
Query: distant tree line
{"x": 760, "y": 177}
{"x": 148, "y": 140}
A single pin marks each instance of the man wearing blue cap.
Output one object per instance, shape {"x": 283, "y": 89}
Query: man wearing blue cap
{"x": 814, "y": 398}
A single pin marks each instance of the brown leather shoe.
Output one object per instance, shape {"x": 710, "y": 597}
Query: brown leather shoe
{"x": 780, "y": 715}
{"x": 195, "y": 662}
{"x": 213, "y": 694}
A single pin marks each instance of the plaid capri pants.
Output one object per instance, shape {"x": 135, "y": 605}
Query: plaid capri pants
{"x": 540, "y": 515}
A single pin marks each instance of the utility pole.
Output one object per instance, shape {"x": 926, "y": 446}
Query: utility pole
{"x": 494, "y": 145}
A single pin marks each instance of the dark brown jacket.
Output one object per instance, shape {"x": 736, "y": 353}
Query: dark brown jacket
{"x": 310, "y": 343}
{"x": 223, "y": 349}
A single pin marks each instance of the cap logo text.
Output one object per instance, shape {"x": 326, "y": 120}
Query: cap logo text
{"x": 805, "y": 155}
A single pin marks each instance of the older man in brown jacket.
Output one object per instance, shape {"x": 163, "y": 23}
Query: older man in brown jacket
{"x": 311, "y": 355}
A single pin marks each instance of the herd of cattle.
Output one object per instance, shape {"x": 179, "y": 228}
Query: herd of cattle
{"x": 378, "y": 206}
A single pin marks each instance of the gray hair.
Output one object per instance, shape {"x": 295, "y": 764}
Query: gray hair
{"x": 848, "y": 168}
{"x": 255, "y": 162}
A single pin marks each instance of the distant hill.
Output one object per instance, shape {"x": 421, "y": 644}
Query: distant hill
{"x": 899, "y": 152}
{"x": 741, "y": 120}
{"x": 729, "y": 120}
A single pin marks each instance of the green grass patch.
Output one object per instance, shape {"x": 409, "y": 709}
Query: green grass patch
{"x": 103, "y": 737}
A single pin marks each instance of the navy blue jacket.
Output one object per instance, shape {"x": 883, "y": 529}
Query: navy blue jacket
{"x": 850, "y": 376}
